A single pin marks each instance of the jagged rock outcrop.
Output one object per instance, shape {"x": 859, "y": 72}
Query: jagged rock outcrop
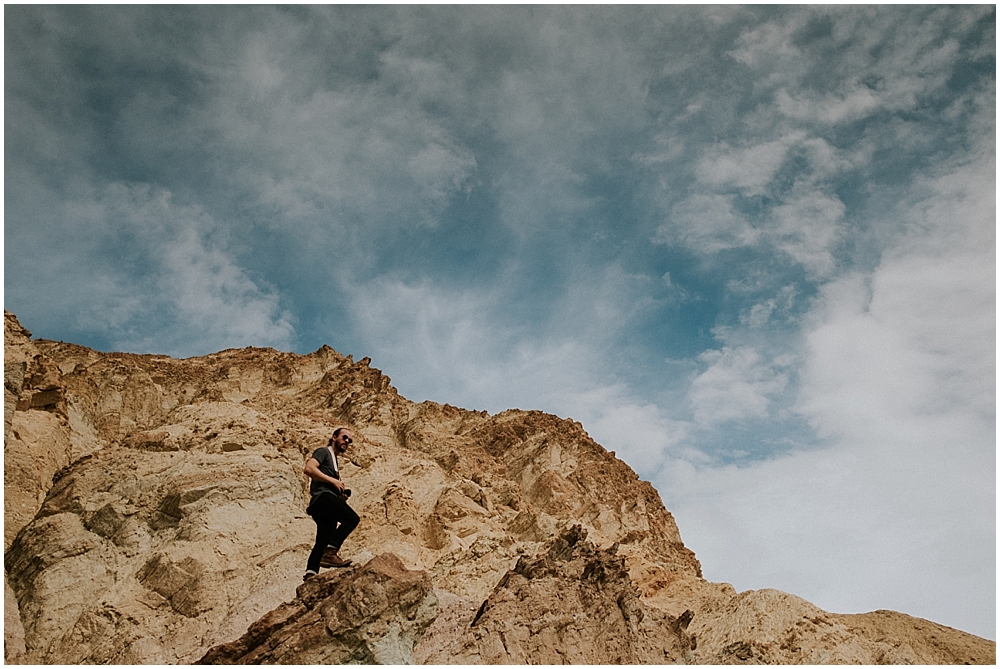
{"x": 368, "y": 615}
{"x": 573, "y": 604}
{"x": 36, "y": 427}
{"x": 154, "y": 512}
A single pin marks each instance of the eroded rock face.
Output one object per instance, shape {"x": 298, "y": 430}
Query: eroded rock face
{"x": 573, "y": 604}
{"x": 368, "y": 615}
{"x": 36, "y": 427}
{"x": 154, "y": 510}
{"x": 13, "y": 629}
{"x": 146, "y": 557}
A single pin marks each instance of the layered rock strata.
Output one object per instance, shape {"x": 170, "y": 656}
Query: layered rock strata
{"x": 154, "y": 511}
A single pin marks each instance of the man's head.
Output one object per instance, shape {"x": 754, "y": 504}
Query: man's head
{"x": 341, "y": 439}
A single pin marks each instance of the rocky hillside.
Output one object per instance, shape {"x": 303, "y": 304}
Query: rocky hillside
{"x": 154, "y": 513}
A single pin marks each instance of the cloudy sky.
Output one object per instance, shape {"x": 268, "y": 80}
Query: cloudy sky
{"x": 751, "y": 249}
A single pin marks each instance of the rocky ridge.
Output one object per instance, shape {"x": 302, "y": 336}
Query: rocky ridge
{"x": 154, "y": 513}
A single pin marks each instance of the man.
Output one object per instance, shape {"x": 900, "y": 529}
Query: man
{"x": 328, "y": 504}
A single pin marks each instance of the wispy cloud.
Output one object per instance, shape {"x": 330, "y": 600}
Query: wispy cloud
{"x": 709, "y": 223}
{"x": 748, "y": 169}
{"x": 898, "y": 376}
{"x": 807, "y": 226}
{"x": 162, "y": 278}
{"x": 737, "y": 384}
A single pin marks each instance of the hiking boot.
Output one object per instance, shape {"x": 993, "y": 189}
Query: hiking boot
{"x": 308, "y": 575}
{"x": 332, "y": 559}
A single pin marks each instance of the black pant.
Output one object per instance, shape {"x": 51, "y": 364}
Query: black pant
{"x": 334, "y": 521}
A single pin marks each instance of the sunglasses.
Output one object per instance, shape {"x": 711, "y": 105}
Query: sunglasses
{"x": 347, "y": 440}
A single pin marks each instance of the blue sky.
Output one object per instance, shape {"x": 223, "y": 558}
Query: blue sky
{"x": 751, "y": 249}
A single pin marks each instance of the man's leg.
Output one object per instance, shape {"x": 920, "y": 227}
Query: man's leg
{"x": 348, "y": 520}
{"x": 324, "y": 513}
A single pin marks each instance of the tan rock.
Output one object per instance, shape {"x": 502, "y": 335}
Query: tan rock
{"x": 36, "y": 426}
{"x": 186, "y": 548}
{"x": 37, "y": 447}
{"x": 773, "y": 627}
{"x": 574, "y": 604}
{"x": 13, "y": 629}
{"x": 368, "y": 615}
{"x": 903, "y": 639}
{"x": 17, "y": 345}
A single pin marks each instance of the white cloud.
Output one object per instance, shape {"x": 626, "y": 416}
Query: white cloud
{"x": 737, "y": 385}
{"x": 904, "y": 55}
{"x": 857, "y": 102}
{"x": 748, "y": 168}
{"x": 208, "y": 300}
{"x": 435, "y": 338}
{"x": 898, "y": 509}
{"x": 675, "y": 294}
{"x": 215, "y": 299}
{"x": 641, "y": 434}
{"x": 806, "y": 226}
{"x": 762, "y": 45}
{"x": 918, "y": 338}
{"x": 848, "y": 529}
{"x": 359, "y": 152}
{"x": 708, "y": 223}
{"x": 804, "y": 221}
{"x": 666, "y": 147}
{"x": 759, "y": 314}
{"x": 457, "y": 341}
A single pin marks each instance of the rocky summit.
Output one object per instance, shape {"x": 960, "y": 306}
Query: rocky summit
{"x": 155, "y": 514}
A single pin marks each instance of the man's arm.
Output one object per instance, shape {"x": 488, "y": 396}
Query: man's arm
{"x": 313, "y": 472}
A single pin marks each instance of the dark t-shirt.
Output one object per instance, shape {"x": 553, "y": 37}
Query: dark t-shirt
{"x": 327, "y": 465}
